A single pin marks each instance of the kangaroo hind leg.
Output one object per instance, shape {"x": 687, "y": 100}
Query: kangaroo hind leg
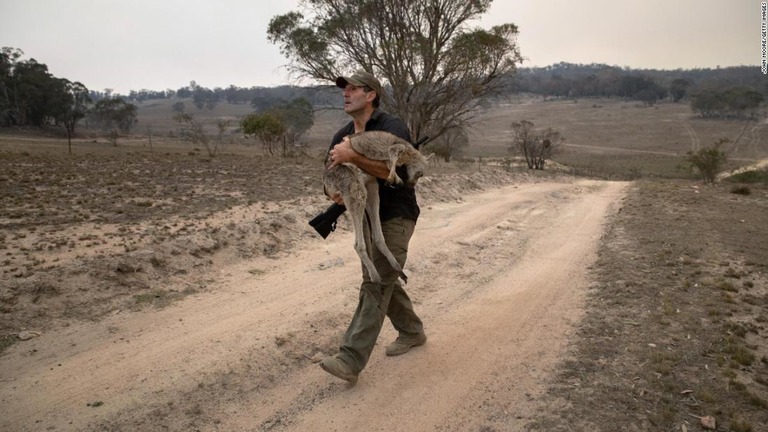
{"x": 377, "y": 236}
{"x": 355, "y": 203}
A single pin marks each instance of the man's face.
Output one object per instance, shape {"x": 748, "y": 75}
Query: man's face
{"x": 356, "y": 99}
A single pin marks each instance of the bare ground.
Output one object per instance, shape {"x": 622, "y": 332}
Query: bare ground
{"x": 677, "y": 321}
{"x": 193, "y": 296}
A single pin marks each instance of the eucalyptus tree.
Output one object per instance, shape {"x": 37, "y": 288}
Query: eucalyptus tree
{"x": 267, "y": 128}
{"x": 8, "y": 59}
{"x": 74, "y": 108}
{"x": 438, "y": 68}
{"x": 298, "y": 117}
{"x": 113, "y": 116}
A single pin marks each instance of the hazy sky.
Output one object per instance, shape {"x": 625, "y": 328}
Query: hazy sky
{"x": 158, "y": 44}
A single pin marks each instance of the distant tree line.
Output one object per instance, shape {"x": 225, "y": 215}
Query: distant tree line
{"x": 30, "y": 95}
{"x": 733, "y": 92}
{"x": 260, "y": 98}
{"x": 728, "y": 102}
{"x": 723, "y": 92}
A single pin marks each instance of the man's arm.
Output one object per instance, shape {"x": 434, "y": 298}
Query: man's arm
{"x": 344, "y": 153}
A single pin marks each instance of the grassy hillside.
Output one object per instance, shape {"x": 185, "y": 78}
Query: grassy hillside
{"x": 621, "y": 137}
{"x": 601, "y": 134}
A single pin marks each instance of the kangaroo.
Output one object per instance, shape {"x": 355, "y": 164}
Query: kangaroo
{"x": 360, "y": 190}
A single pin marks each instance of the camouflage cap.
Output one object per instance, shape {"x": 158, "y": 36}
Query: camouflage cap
{"x": 360, "y": 78}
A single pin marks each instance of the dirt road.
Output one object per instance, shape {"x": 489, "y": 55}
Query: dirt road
{"x": 498, "y": 279}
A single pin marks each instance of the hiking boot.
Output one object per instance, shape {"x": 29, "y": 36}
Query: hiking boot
{"x": 403, "y": 344}
{"x": 336, "y": 367}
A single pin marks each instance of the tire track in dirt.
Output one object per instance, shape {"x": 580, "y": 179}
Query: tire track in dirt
{"x": 747, "y": 141}
{"x": 695, "y": 140}
{"x": 498, "y": 280}
{"x": 754, "y": 142}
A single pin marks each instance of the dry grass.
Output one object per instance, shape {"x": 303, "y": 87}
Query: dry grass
{"x": 157, "y": 115}
{"x": 612, "y": 138}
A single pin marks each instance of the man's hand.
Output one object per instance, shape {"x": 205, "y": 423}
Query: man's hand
{"x": 343, "y": 153}
{"x": 337, "y": 199}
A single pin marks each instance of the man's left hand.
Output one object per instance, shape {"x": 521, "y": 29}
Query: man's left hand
{"x": 342, "y": 153}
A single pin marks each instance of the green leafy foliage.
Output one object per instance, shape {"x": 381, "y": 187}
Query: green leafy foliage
{"x": 736, "y": 101}
{"x": 113, "y": 115}
{"x": 266, "y": 127}
{"x": 298, "y": 118}
{"x": 30, "y": 95}
{"x": 679, "y": 88}
{"x": 708, "y": 161}
{"x": 280, "y": 123}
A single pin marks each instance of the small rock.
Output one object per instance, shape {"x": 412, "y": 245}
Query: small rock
{"x": 336, "y": 262}
{"x": 27, "y": 335}
{"x": 708, "y": 422}
{"x": 652, "y": 345}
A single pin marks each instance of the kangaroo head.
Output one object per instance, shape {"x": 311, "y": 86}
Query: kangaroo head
{"x": 416, "y": 168}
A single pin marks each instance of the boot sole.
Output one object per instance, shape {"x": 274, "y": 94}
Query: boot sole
{"x": 352, "y": 379}
{"x": 405, "y": 350}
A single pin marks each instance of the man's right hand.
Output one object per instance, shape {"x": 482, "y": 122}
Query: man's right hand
{"x": 337, "y": 199}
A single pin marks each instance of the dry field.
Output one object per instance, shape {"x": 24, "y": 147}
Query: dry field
{"x": 658, "y": 312}
{"x": 621, "y": 139}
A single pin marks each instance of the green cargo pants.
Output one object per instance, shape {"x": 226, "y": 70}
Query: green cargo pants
{"x": 378, "y": 301}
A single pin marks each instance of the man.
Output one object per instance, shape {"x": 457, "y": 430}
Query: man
{"x": 398, "y": 212}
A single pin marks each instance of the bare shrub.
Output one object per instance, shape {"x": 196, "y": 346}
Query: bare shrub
{"x": 194, "y": 132}
{"x": 537, "y": 146}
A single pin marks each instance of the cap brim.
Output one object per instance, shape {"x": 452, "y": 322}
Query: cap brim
{"x": 341, "y": 82}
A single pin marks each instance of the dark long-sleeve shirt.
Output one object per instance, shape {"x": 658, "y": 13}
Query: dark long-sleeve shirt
{"x": 394, "y": 201}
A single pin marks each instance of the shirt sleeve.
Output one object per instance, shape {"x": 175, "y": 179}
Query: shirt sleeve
{"x": 337, "y": 138}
